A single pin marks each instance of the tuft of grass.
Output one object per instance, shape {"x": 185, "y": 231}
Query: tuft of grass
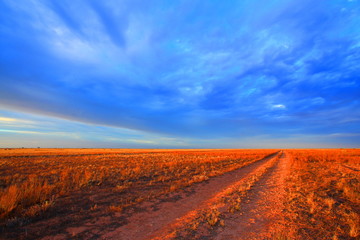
{"x": 280, "y": 235}
{"x": 354, "y": 224}
{"x": 38, "y": 209}
{"x": 94, "y": 207}
{"x": 115, "y": 208}
{"x": 211, "y": 216}
{"x": 9, "y": 199}
{"x": 330, "y": 202}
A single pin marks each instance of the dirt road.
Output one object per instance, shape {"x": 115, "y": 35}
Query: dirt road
{"x": 262, "y": 208}
{"x": 258, "y": 186}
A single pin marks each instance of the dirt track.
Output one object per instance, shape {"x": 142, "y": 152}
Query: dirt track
{"x": 260, "y": 215}
{"x": 263, "y": 207}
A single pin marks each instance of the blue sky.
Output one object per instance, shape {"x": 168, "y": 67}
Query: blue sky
{"x": 180, "y": 74}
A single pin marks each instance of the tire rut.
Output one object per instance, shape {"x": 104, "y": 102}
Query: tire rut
{"x": 261, "y": 216}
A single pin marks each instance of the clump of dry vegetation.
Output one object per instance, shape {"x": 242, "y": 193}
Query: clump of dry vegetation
{"x": 31, "y": 180}
{"x": 324, "y": 194}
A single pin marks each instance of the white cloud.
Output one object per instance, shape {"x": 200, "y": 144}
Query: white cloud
{"x": 278, "y": 106}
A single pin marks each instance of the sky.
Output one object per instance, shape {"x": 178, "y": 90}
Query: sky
{"x": 180, "y": 74}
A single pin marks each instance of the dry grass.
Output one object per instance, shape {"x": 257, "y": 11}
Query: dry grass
{"x": 323, "y": 195}
{"x": 32, "y": 179}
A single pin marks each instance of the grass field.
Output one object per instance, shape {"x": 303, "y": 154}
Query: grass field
{"x": 324, "y": 193}
{"x": 31, "y": 179}
{"x": 321, "y": 190}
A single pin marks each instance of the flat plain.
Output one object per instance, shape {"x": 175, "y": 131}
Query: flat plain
{"x": 179, "y": 194}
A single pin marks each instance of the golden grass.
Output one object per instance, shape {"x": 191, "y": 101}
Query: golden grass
{"x": 32, "y": 179}
{"x": 323, "y": 195}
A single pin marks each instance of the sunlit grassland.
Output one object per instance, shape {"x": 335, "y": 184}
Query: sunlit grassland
{"x": 324, "y": 194}
{"x": 32, "y": 180}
